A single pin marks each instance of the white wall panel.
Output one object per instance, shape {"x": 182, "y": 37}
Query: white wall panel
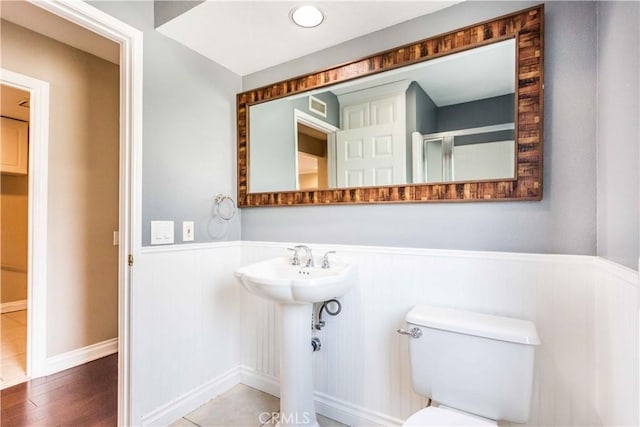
{"x": 187, "y": 314}
{"x": 616, "y": 339}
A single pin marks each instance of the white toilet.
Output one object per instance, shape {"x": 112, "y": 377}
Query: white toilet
{"x": 476, "y": 367}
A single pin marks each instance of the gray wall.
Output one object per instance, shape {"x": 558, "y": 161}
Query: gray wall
{"x": 618, "y": 134}
{"x": 166, "y": 10}
{"x": 333, "y": 107}
{"x": 421, "y": 117}
{"x": 272, "y": 155}
{"x": 188, "y": 133}
{"x": 426, "y": 111}
{"x": 563, "y": 222}
{"x": 483, "y": 112}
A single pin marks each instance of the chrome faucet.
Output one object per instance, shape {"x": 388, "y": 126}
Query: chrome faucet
{"x": 295, "y": 259}
{"x": 325, "y": 259}
{"x": 307, "y": 253}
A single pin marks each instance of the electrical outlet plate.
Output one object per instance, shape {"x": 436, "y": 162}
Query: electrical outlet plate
{"x": 187, "y": 231}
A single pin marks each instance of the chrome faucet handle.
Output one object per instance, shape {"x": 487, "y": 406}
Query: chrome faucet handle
{"x": 310, "y": 262}
{"x": 295, "y": 260}
{"x": 325, "y": 259}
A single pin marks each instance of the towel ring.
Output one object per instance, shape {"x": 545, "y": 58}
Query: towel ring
{"x": 225, "y": 207}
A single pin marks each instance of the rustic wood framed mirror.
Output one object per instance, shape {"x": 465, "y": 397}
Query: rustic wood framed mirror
{"x": 455, "y": 117}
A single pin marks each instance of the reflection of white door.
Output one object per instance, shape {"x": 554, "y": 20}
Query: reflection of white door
{"x": 373, "y": 112}
{"x": 355, "y": 116}
{"x": 371, "y": 156}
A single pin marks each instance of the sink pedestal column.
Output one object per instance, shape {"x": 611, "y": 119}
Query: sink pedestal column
{"x": 296, "y": 368}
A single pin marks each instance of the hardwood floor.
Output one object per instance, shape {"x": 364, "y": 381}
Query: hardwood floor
{"x": 86, "y": 395}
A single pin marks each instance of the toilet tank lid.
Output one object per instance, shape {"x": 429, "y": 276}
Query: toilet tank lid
{"x": 476, "y": 324}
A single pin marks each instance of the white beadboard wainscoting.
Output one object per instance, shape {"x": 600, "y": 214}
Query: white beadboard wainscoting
{"x": 197, "y": 332}
{"x": 185, "y": 335}
{"x": 616, "y": 342}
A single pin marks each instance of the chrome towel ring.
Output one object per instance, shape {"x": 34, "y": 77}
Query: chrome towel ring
{"x": 224, "y": 207}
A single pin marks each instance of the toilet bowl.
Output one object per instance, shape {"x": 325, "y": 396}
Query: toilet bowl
{"x": 442, "y": 416}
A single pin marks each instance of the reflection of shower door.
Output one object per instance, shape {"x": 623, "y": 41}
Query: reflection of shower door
{"x": 432, "y": 159}
{"x": 482, "y": 153}
{"x": 371, "y": 156}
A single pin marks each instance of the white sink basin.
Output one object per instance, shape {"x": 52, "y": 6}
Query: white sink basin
{"x": 276, "y": 279}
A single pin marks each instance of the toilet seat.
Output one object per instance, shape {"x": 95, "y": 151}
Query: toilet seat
{"x": 432, "y": 416}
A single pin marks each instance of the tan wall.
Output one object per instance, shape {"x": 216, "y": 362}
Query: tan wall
{"x": 13, "y": 249}
{"x": 83, "y": 185}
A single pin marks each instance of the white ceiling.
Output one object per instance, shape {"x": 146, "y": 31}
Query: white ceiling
{"x": 471, "y": 75}
{"x": 246, "y": 37}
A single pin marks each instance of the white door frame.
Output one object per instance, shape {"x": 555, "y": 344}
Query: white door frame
{"x": 37, "y": 216}
{"x": 300, "y": 116}
{"x": 130, "y": 184}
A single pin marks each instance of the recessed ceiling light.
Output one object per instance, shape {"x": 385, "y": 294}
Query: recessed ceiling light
{"x": 306, "y": 16}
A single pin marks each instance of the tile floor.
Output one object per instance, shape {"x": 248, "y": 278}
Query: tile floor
{"x": 242, "y": 406}
{"x": 13, "y": 366}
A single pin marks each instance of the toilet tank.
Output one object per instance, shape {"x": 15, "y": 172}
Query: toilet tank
{"x": 477, "y": 363}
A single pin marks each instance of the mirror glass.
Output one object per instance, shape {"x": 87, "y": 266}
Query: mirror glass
{"x": 448, "y": 119}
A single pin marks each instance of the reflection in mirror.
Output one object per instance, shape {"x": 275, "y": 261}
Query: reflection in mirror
{"x": 474, "y": 154}
{"x": 312, "y": 158}
{"x": 444, "y": 120}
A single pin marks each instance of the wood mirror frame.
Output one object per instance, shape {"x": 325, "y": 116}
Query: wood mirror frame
{"x": 525, "y": 26}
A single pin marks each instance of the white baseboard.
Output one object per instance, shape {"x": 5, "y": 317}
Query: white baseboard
{"x": 8, "y": 307}
{"x": 260, "y": 381}
{"x": 350, "y": 414}
{"x": 170, "y": 412}
{"x": 328, "y": 406}
{"x": 79, "y": 356}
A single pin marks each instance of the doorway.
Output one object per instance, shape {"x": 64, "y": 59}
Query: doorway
{"x": 80, "y": 174}
{"x": 129, "y": 41}
{"x": 312, "y": 159}
{"x": 315, "y": 152}
{"x": 31, "y": 95}
{"x": 14, "y": 125}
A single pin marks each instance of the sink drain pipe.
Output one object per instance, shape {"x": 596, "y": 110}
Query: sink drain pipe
{"x": 316, "y": 345}
{"x": 325, "y": 307}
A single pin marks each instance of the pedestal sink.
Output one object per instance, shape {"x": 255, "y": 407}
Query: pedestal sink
{"x": 296, "y": 289}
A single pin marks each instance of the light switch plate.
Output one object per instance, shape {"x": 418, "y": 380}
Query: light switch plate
{"x": 161, "y": 232}
{"x": 187, "y": 231}
{"x": 116, "y": 238}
